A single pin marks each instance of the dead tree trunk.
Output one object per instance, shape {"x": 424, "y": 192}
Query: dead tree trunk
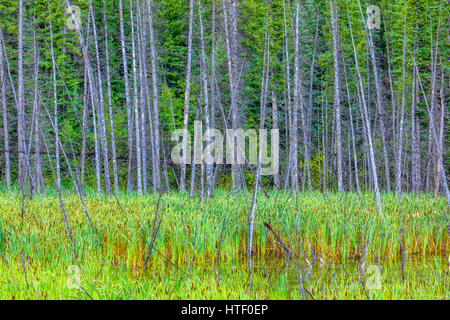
{"x": 127, "y": 96}
{"x": 187, "y": 93}
{"x": 5, "y": 116}
{"x": 111, "y": 117}
{"x": 398, "y": 172}
{"x": 204, "y": 71}
{"x": 155, "y": 113}
{"x": 101, "y": 109}
{"x": 366, "y": 123}
{"x": 337, "y": 101}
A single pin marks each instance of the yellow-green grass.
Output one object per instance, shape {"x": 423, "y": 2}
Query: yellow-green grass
{"x": 185, "y": 261}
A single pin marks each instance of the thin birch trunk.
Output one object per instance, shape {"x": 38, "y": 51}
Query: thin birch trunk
{"x": 433, "y": 101}
{"x": 204, "y": 71}
{"x": 55, "y": 103}
{"x": 337, "y": 101}
{"x": 276, "y": 177}
{"x": 155, "y": 113}
{"x": 135, "y": 105}
{"x": 380, "y": 102}
{"x": 21, "y": 100}
{"x": 127, "y": 96}
{"x": 287, "y": 81}
{"x": 367, "y": 123}
{"x": 111, "y": 117}
{"x": 262, "y": 113}
{"x": 5, "y": 116}
{"x": 441, "y": 137}
{"x": 398, "y": 172}
{"x": 296, "y": 104}
{"x": 83, "y": 130}
{"x": 355, "y": 158}
{"x": 142, "y": 100}
{"x": 101, "y": 109}
{"x": 36, "y": 111}
{"x": 96, "y": 149}
{"x": 187, "y": 93}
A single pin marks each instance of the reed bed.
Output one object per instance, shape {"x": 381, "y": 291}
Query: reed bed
{"x": 199, "y": 247}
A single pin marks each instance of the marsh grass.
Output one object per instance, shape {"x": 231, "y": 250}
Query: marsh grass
{"x": 199, "y": 249}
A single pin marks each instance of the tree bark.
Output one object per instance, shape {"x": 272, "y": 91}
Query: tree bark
{"x": 187, "y": 93}
{"x": 204, "y": 71}
{"x": 127, "y": 95}
{"x": 155, "y": 114}
{"x": 101, "y": 109}
{"x": 367, "y": 123}
{"x": 296, "y": 104}
{"x": 337, "y": 101}
{"x": 135, "y": 105}
{"x": 398, "y": 172}
{"x": 380, "y": 103}
{"x": 5, "y": 116}
{"x": 111, "y": 116}
{"x": 55, "y": 103}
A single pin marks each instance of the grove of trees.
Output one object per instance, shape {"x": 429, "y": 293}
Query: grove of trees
{"x": 91, "y": 98}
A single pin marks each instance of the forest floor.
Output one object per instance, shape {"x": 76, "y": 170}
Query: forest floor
{"x": 306, "y": 245}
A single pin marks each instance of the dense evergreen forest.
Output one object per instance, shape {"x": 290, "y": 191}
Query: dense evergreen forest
{"x": 91, "y": 92}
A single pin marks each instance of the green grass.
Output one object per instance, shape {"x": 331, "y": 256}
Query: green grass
{"x": 184, "y": 263}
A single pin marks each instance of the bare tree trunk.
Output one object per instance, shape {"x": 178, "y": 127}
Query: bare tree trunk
{"x": 55, "y": 103}
{"x": 355, "y": 158}
{"x": 21, "y": 100}
{"x": 391, "y": 86}
{"x": 380, "y": 102}
{"x": 204, "y": 71}
{"x": 111, "y": 117}
{"x": 83, "y": 130}
{"x": 35, "y": 124}
{"x": 86, "y": 98}
{"x": 187, "y": 93}
{"x": 231, "y": 46}
{"x": 276, "y": 177}
{"x": 398, "y": 173}
{"x": 135, "y": 105}
{"x": 5, "y": 116}
{"x": 155, "y": 113}
{"x": 310, "y": 108}
{"x": 127, "y": 96}
{"x": 147, "y": 94}
{"x": 262, "y": 114}
{"x": 197, "y": 146}
{"x": 296, "y": 104}
{"x": 143, "y": 85}
{"x": 414, "y": 182}
{"x": 101, "y": 110}
{"x": 441, "y": 137}
{"x": 213, "y": 75}
{"x": 235, "y": 78}
{"x": 287, "y": 82}
{"x": 367, "y": 124}
{"x": 337, "y": 101}
{"x": 324, "y": 146}
{"x": 433, "y": 101}
{"x": 96, "y": 150}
